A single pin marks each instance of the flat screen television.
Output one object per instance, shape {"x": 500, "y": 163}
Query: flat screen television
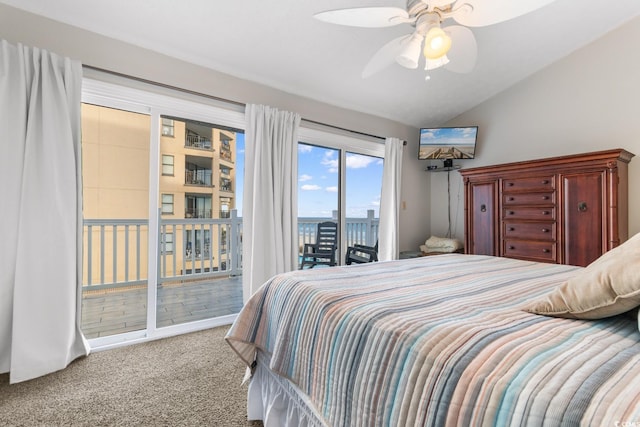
{"x": 447, "y": 143}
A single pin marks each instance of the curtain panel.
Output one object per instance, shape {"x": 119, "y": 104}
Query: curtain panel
{"x": 388, "y": 248}
{"x": 41, "y": 211}
{"x": 270, "y": 202}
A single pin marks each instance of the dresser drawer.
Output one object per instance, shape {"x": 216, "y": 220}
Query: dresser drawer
{"x": 533, "y": 213}
{"x": 512, "y": 199}
{"x": 529, "y": 230}
{"x": 533, "y": 183}
{"x": 532, "y": 250}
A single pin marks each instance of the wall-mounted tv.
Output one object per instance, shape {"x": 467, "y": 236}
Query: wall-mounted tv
{"x": 447, "y": 143}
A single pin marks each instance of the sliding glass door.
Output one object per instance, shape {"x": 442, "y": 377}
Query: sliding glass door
{"x": 163, "y": 209}
{"x": 318, "y": 196}
{"x": 196, "y": 231}
{"x": 115, "y": 169}
{"x": 363, "y": 183}
{"x": 339, "y": 179}
{"x": 162, "y": 234}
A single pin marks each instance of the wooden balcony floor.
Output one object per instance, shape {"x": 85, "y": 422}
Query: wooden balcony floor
{"x": 114, "y": 311}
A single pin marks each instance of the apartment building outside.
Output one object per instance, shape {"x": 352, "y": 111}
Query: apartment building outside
{"x": 197, "y": 168}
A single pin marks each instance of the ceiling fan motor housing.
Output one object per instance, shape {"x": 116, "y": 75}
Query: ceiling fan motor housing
{"x": 417, "y": 7}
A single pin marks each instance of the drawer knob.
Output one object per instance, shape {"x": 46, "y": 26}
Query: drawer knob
{"x": 512, "y": 229}
{"x": 510, "y": 184}
{"x": 511, "y": 213}
{"x": 545, "y": 197}
{"x": 510, "y": 198}
{"x": 582, "y": 206}
{"x": 545, "y": 230}
{"x": 512, "y": 247}
{"x": 546, "y": 251}
{"x": 545, "y": 181}
{"x": 545, "y": 212}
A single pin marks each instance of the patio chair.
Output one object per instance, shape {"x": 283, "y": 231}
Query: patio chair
{"x": 361, "y": 254}
{"x": 323, "y": 252}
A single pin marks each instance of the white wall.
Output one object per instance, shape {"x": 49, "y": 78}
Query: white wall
{"x": 589, "y": 101}
{"x": 101, "y": 52}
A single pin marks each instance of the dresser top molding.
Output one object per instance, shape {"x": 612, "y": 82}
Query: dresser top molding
{"x": 576, "y": 160}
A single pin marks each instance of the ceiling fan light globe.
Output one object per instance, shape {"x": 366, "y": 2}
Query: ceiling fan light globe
{"x": 407, "y": 62}
{"x": 436, "y": 43}
{"x": 432, "y": 64}
{"x": 410, "y": 55}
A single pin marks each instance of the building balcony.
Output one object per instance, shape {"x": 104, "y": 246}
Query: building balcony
{"x": 197, "y": 213}
{"x": 226, "y": 155}
{"x": 197, "y": 141}
{"x": 199, "y": 263}
{"x": 226, "y": 185}
{"x": 198, "y": 177}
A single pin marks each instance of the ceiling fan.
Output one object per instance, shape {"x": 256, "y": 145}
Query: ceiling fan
{"x": 452, "y": 47}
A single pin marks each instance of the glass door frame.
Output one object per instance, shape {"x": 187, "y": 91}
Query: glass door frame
{"x": 130, "y": 95}
{"x": 141, "y": 99}
{"x": 344, "y": 142}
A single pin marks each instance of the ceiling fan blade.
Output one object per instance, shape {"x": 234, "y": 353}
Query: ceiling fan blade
{"x": 439, "y": 3}
{"x": 368, "y": 17}
{"x": 464, "y": 49}
{"x": 488, "y": 12}
{"x": 385, "y": 56}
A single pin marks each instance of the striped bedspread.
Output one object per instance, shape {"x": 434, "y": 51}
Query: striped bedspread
{"x": 440, "y": 341}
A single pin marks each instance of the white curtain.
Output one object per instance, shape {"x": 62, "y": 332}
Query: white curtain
{"x": 41, "y": 212}
{"x": 270, "y": 204}
{"x": 390, "y": 200}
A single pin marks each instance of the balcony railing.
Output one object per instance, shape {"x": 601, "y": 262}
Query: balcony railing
{"x": 226, "y": 184}
{"x": 116, "y": 254}
{"x": 199, "y": 177}
{"x": 363, "y": 231}
{"x": 197, "y": 213}
{"x": 225, "y": 155}
{"x": 202, "y": 248}
{"x": 197, "y": 141}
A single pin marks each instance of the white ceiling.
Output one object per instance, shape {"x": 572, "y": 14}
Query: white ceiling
{"x": 278, "y": 43}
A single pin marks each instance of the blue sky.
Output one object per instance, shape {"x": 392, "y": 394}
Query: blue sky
{"x": 448, "y": 136}
{"x": 318, "y": 181}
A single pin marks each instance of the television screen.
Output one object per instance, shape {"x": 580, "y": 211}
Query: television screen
{"x": 448, "y": 143}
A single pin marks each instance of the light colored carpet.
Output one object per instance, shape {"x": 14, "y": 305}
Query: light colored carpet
{"x": 188, "y": 380}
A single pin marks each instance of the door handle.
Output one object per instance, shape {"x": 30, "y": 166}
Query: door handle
{"x": 582, "y": 206}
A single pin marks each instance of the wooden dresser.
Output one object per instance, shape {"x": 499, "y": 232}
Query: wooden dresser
{"x": 566, "y": 210}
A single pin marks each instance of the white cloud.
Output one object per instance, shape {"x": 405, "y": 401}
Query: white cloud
{"x": 305, "y": 177}
{"x": 330, "y": 162}
{"x": 302, "y": 148}
{"x": 310, "y": 187}
{"x": 332, "y": 165}
{"x": 427, "y": 134}
{"x": 357, "y": 161}
{"x": 331, "y": 189}
{"x": 354, "y": 161}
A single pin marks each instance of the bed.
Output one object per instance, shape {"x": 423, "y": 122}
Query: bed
{"x": 435, "y": 341}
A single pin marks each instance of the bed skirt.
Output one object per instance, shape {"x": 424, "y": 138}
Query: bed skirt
{"x": 278, "y": 402}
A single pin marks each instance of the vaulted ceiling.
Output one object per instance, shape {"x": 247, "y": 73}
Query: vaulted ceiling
{"x": 278, "y": 43}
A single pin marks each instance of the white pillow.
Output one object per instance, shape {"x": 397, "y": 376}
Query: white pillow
{"x": 442, "y": 244}
{"x": 608, "y": 286}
